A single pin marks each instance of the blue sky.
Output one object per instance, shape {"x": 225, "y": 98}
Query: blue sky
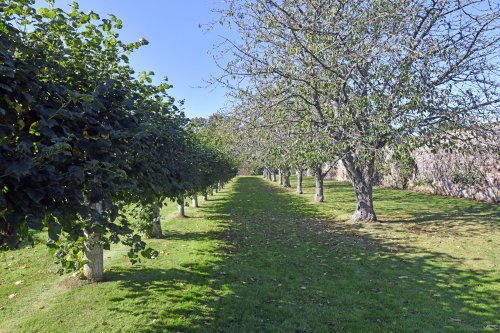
{"x": 177, "y": 48}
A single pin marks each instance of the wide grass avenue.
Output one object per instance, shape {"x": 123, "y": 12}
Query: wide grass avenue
{"x": 258, "y": 258}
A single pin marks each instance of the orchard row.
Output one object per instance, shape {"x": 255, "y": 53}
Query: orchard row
{"x": 318, "y": 82}
{"x": 84, "y": 141}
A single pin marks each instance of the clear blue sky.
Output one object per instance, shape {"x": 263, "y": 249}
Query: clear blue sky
{"x": 177, "y": 46}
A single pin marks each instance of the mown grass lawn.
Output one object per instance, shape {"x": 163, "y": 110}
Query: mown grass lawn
{"x": 258, "y": 258}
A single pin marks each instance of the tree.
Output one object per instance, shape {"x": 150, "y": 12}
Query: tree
{"x": 372, "y": 72}
{"x": 276, "y": 138}
{"x": 68, "y": 131}
{"x": 81, "y": 136}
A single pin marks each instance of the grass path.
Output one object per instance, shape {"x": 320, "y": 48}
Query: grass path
{"x": 258, "y": 258}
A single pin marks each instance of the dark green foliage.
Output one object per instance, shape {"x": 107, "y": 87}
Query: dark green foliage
{"x": 78, "y": 129}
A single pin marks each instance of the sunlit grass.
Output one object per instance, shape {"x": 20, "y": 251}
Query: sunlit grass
{"x": 257, "y": 258}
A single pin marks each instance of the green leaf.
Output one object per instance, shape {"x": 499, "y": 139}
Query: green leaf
{"x": 47, "y": 13}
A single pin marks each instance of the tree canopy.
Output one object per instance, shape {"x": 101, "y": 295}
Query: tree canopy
{"x": 83, "y": 135}
{"x": 367, "y": 74}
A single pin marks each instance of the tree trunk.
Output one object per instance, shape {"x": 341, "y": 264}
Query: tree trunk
{"x": 93, "y": 252}
{"x": 299, "y": 181}
{"x": 216, "y": 189}
{"x": 269, "y": 174}
{"x": 361, "y": 176}
{"x": 212, "y": 191}
{"x": 274, "y": 175}
{"x": 280, "y": 176}
{"x": 180, "y": 209}
{"x": 155, "y": 226}
{"x": 219, "y": 186}
{"x": 205, "y": 196}
{"x": 318, "y": 175}
{"x": 195, "y": 201}
{"x": 286, "y": 178}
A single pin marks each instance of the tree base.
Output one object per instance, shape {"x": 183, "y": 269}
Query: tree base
{"x": 364, "y": 216}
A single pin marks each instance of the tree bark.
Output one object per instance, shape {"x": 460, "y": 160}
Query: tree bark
{"x": 219, "y": 186}
{"x": 361, "y": 175}
{"x": 205, "y": 196}
{"x": 300, "y": 173}
{"x": 274, "y": 175}
{"x": 194, "y": 200}
{"x": 318, "y": 175}
{"x": 268, "y": 174}
{"x": 93, "y": 252}
{"x": 155, "y": 226}
{"x": 212, "y": 191}
{"x": 180, "y": 207}
{"x": 286, "y": 178}
{"x": 280, "y": 176}
{"x": 216, "y": 189}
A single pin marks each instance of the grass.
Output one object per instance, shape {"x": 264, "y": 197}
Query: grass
{"x": 259, "y": 258}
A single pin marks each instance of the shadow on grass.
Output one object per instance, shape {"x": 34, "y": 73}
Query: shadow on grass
{"x": 430, "y": 213}
{"x": 277, "y": 269}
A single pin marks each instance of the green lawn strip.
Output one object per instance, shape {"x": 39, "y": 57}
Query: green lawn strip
{"x": 257, "y": 258}
{"x": 27, "y": 275}
{"x": 462, "y": 228}
{"x": 165, "y": 291}
{"x": 430, "y": 243}
{"x": 293, "y": 270}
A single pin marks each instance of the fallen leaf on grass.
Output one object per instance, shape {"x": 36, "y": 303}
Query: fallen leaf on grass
{"x": 12, "y": 296}
{"x": 19, "y": 282}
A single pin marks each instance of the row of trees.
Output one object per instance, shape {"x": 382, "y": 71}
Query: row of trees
{"x": 82, "y": 138}
{"x": 318, "y": 81}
